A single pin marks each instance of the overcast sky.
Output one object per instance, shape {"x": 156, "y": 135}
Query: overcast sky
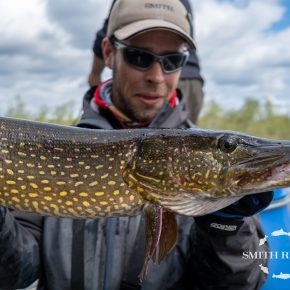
{"x": 45, "y": 49}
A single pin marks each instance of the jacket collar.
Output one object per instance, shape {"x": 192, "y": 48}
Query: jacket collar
{"x": 95, "y": 117}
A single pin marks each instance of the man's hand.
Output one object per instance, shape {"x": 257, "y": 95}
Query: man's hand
{"x": 247, "y": 206}
{"x": 228, "y": 220}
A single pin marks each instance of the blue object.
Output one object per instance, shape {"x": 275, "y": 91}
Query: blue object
{"x": 280, "y": 194}
{"x": 276, "y": 224}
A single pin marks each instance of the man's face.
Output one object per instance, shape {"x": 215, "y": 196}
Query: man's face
{"x": 141, "y": 94}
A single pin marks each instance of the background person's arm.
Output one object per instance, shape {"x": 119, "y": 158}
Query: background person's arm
{"x": 98, "y": 65}
{"x": 96, "y": 71}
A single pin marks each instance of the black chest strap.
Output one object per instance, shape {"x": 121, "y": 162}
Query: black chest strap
{"x": 77, "y": 266}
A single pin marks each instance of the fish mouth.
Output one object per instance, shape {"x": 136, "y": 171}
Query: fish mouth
{"x": 278, "y": 175}
{"x": 267, "y": 168}
{"x": 259, "y": 161}
{"x": 270, "y": 178}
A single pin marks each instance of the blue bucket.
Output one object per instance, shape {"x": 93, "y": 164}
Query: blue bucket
{"x": 275, "y": 221}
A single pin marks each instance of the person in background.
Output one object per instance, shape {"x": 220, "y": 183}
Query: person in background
{"x": 190, "y": 81}
{"x": 107, "y": 254}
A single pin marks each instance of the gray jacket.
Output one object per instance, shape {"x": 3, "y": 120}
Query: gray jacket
{"x": 66, "y": 254}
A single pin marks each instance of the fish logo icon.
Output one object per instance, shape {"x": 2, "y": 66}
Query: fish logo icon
{"x": 264, "y": 269}
{"x": 263, "y": 241}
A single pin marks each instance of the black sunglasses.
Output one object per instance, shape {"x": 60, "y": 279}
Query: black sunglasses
{"x": 143, "y": 59}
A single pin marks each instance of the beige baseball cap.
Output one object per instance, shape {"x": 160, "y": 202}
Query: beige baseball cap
{"x": 129, "y": 18}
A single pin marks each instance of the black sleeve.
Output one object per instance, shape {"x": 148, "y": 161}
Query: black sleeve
{"x": 97, "y": 48}
{"x": 220, "y": 259}
{"x": 20, "y": 235}
{"x": 189, "y": 10}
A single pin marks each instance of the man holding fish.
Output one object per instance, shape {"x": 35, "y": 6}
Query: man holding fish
{"x": 146, "y": 46}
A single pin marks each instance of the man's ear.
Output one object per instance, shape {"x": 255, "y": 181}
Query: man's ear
{"x": 108, "y": 52}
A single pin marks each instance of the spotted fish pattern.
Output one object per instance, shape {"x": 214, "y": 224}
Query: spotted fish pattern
{"x": 65, "y": 171}
{"x": 75, "y": 172}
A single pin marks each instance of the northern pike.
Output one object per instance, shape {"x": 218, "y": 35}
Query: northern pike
{"x": 83, "y": 173}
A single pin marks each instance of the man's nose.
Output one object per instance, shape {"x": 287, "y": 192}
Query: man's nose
{"x": 155, "y": 73}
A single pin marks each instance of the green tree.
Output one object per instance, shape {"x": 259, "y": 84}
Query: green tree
{"x": 62, "y": 114}
{"x": 18, "y": 109}
{"x": 254, "y": 117}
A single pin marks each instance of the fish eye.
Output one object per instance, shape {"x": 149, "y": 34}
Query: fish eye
{"x": 227, "y": 144}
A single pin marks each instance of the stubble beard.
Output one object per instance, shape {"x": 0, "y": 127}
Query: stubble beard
{"x": 126, "y": 105}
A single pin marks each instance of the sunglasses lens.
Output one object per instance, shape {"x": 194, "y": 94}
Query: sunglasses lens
{"x": 138, "y": 58}
{"x": 142, "y": 59}
{"x": 173, "y": 62}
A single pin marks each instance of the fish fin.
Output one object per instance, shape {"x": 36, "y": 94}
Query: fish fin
{"x": 153, "y": 221}
{"x": 191, "y": 205}
{"x": 209, "y": 205}
{"x": 168, "y": 237}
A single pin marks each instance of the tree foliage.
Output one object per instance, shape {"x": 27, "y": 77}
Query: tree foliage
{"x": 254, "y": 118}
{"x": 62, "y": 114}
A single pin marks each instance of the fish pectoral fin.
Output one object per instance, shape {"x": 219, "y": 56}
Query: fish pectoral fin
{"x": 161, "y": 235}
{"x": 194, "y": 206}
{"x": 168, "y": 237}
{"x": 153, "y": 228}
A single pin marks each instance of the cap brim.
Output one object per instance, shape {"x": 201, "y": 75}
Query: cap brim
{"x": 138, "y": 27}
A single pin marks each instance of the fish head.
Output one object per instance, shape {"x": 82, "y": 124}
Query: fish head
{"x": 211, "y": 163}
{"x": 236, "y": 164}
{"x": 255, "y": 164}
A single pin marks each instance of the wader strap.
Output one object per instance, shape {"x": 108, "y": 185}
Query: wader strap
{"x": 77, "y": 267}
{"x": 136, "y": 260}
